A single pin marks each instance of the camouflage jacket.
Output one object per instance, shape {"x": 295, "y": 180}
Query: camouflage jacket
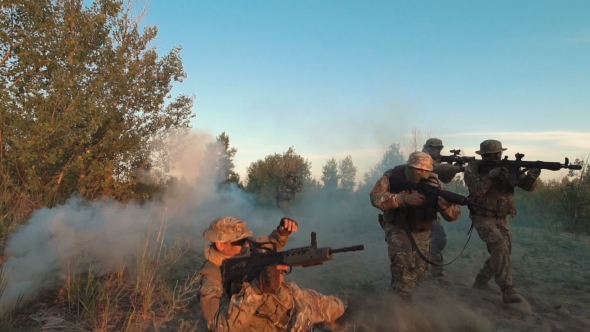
{"x": 446, "y": 173}
{"x": 493, "y": 193}
{"x": 288, "y": 187}
{"x": 383, "y": 198}
{"x": 249, "y": 309}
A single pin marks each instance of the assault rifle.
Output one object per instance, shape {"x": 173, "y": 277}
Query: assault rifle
{"x": 514, "y": 166}
{"x": 252, "y": 263}
{"x": 456, "y": 158}
{"x": 399, "y": 184}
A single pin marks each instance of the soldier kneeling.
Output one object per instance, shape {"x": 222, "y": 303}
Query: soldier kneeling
{"x": 265, "y": 303}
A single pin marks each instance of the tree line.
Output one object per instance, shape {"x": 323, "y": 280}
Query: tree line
{"x": 87, "y": 109}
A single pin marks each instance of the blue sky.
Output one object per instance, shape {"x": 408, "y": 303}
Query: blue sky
{"x": 334, "y": 78}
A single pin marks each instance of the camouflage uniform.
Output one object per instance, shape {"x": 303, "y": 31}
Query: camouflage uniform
{"x": 407, "y": 268}
{"x": 242, "y": 306}
{"x": 494, "y": 228}
{"x": 438, "y": 236}
{"x": 289, "y": 185}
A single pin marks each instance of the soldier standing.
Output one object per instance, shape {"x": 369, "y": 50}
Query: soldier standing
{"x": 409, "y": 215}
{"x": 491, "y": 188}
{"x": 289, "y": 186}
{"x": 438, "y": 236}
{"x": 267, "y": 302}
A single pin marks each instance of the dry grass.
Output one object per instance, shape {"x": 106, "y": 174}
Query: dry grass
{"x": 130, "y": 298}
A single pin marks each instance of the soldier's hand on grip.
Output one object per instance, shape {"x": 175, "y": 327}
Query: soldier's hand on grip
{"x": 287, "y": 226}
{"x": 533, "y": 173}
{"x": 269, "y": 279}
{"x": 414, "y": 199}
{"x": 498, "y": 172}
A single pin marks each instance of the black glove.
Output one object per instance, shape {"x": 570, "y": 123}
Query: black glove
{"x": 499, "y": 172}
{"x": 533, "y": 173}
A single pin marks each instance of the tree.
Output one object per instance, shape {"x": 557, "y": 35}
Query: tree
{"x": 264, "y": 176}
{"x": 415, "y": 141}
{"x": 218, "y": 161}
{"x": 347, "y": 174}
{"x": 391, "y": 158}
{"x": 85, "y": 105}
{"x": 330, "y": 175}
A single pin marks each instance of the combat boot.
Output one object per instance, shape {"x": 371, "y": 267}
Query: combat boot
{"x": 481, "y": 283}
{"x": 439, "y": 277}
{"x": 509, "y": 296}
{"x": 405, "y": 296}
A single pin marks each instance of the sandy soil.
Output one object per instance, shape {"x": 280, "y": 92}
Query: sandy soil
{"x": 552, "y": 272}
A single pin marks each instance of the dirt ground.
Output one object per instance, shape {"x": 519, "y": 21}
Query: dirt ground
{"x": 551, "y": 271}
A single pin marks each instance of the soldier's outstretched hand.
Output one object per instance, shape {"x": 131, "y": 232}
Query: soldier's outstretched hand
{"x": 288, "y": 225}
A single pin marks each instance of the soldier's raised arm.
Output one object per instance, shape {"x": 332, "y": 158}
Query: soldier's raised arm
{"x": 446, "y": 173}
{"x": 477, "y": 184}
{"x": 528, "y": 181}
{"x": 380, "y": 196}
{"x": 452, "y": 212}
{"x": 281, "y": 234}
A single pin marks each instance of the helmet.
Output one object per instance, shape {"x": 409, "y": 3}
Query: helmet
{"x": 490, "y": 146}
{"x": 227, "y": 229}
{"x": 435, "y": 142}
{"x": 420, "y": 160}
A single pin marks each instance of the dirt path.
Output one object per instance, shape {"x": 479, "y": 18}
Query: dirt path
{"x": 552, "y": 272}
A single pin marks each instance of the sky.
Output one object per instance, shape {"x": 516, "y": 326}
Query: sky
{"x": 337, "y": 78}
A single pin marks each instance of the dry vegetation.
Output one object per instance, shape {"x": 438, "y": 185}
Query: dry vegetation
{"x": 138, "y": 297}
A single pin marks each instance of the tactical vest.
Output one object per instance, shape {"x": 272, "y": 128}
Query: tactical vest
{"x": 500, "y": 197}
{"x": 273, "y": 315}
{"x": 415, "y": 218}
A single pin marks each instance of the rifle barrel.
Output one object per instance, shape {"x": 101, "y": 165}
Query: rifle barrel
{"x": 346, "y": 249}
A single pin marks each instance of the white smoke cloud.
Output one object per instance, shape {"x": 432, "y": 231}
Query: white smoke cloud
{"x": 108, "y": 233}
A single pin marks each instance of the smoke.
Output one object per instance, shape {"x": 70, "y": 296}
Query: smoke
{"x": 108, "y": 234}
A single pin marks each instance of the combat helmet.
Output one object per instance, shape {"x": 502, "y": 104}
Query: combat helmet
{"x": 227, "y": 229}
{"x": 420, "y": 160}
{"x": 490, "y": 146}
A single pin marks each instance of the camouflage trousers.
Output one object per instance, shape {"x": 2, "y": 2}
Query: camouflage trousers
{"x": 495, "y": 232}
{"x": 312, "y": 308}
{"x": 438, "y": 242}
{"x": 407, "y": 268}
{"x": 285, "y": 207}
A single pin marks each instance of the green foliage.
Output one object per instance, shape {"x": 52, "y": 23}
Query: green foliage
{"x": 457, "y": 185}
{"x": 330, "y": 175}
{"x": 347, "y": 174}
{"x": 557, "y": 204}
{"x": 264, "y": 176}
{"x": 391, "y": 158}
{"x": 85, "y": 105}
{"x": 218, "y": 161}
